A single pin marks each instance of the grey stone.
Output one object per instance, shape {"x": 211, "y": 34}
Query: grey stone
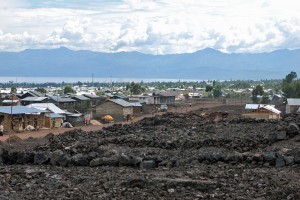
{"x": 292, "y": 129}
{"x": 297, "y": 156}
{"x": 289, "y": 160}
{"x": 104, "y": 161}
{"x": 41, "y": 158}
{"x": 59, "y": 158}
{"x": 281, "y": 135}
{"x": 25, "y": 157}
{"x": 280, "y": 162}
{"x": 80, "y": 160}
{"x": 148, "y": 164}
{"x": 270, "y": 157}
{"x": 124, "y": 160}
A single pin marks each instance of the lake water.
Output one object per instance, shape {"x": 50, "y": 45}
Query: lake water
{"x": 85, "y": 79}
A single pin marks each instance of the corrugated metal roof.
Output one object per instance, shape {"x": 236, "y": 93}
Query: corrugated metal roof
{"x": 47, "y": 106}
{"x": 9, "y": 101}
{"x": 36, "y": 93}
{"x": 34, "y": 99}
{"x": 80, "y": 97}
{"x": 91, "y": 96}
{"x": 293, "y": 102}
{"x": 121, "y": 102}
{"x": 272, "y": 109}
{"x": 19, "y": 110}
{"x": 54, "y": 115}
{"x": 256, "y": 106}
{"x": 136, "y": 104}
{"x": 61, "y": 99}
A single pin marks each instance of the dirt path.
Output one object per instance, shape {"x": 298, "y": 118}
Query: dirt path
{"x": 43, "y": 133}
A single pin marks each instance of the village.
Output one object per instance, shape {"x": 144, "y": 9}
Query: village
{"x": 30, "y": 109}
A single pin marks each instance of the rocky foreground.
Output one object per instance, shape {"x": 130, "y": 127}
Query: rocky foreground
{"x": 173, "y": 156}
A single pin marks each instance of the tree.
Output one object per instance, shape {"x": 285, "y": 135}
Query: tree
{"x": 258, "y": 90}
{"x": 265, "y": 99}
{"x": 69, "y": 89}
{"x": 135, "y": 88}
{"x": 290, "y": 77}
{"x": 41, "y": 90}
{"x": 13, "y": 90}
{"x": 217, "y": 92}
{"x": 290, "y": 86}
{"x": 209, "y": 88}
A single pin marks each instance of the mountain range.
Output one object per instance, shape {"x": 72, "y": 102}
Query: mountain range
{"x": 201, "y": 65}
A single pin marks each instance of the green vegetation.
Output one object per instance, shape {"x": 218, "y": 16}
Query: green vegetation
{"x": 13, "y": 90}
{"x": 291, "y": 86}
{"x": 69, "y": 89}
{"x": 41, "y": 90}
{"x": 135, "y": 88}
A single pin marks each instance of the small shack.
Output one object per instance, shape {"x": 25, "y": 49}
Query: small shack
{"x": 137, "y": 107}
{"x": 17, "y": 118}
{"x": 262, "y": 111}
{"x": 53, "y": 120}
{"x": 117, "y": 108}
{"x": 292, "y": 105}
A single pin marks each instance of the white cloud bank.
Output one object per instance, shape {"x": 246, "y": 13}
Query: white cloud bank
{"x": 152, "y": 26}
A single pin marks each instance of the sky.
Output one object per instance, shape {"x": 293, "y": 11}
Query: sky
{"x": 150, "y": 26}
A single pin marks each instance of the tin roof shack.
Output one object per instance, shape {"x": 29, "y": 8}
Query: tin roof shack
{"x": 162, "y": 98}
{"x": 262, "y": 111}
{"x": 82, "y": 102}
{"x": 140, "y": 98}
{"x": 96, "y": 100}
{"x": 76, "y": 119}
{"x": 292, "y": 105}
{"x": 17, "y": 118}
{"x": 54, "y": 115}
{"x": 29, "y": 100}
{"x": 137, "y": 107}
{"x": 62, "y": 102}
{"x": 53, "y": 120}
{"x": 117, "y": 108}
{"x": 32, "y": 94}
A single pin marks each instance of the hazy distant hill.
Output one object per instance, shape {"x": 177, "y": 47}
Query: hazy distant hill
{"x": 204, "y": 64}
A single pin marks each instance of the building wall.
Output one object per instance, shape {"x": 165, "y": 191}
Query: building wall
{"x": 291, "y": 109}
{"x": 137, "y": 110}
{"x": 262, "y": 116}
{"x": 22, "y": 121}
{"x": 113, "y": 109}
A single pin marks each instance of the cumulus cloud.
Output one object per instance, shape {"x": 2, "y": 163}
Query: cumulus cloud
{"x": 154, "y": 26}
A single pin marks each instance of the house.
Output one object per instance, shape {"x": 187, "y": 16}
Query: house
{"x": 117, "y": 108}
{"x": 82, "y": 101}
{"x": 162, "y": 98}
{"x": 137, "y": 107}
{"x": 76, "y": 119}
{"x": 262, "y": 111}
{"x": 53, "y": 120}
{"x": 29, "y": 100}
{"x": 292, "y": 105}
{"x": 62, "y": 102}
{"x": 17, "y": 118}
{"x": 32, "y": 94}
{"x": 139, "y": 98}
{"x": 96, "y": 100}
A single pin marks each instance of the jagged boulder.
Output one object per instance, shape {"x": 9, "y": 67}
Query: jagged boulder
{"x": 59, "y": 158}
